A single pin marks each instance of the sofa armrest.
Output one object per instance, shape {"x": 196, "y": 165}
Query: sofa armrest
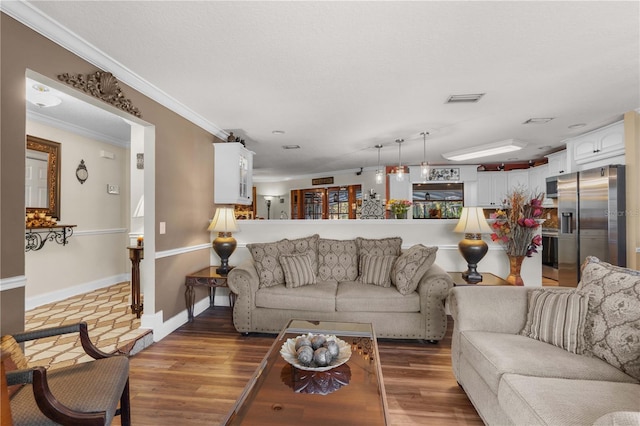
{"x": 244, "y": 281}
{"x": 433, "y": 289}
{"x": 501, "y": 309}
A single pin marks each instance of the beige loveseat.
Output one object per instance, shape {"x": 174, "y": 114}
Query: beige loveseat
{"x": 515, "y": 379}
{"x": 401, "y": 292}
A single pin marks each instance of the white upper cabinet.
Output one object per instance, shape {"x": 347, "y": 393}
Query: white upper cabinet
{"x": 557, "y": 163}
{"x": 601, "y": 144}
{"x": 492, "y": 189}
{"x": 518, "y": 178}
{"x": 233, "y": 174}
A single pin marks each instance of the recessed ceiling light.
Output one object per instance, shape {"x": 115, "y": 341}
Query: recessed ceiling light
{"x": 290, "y": 146}
{"x": 538, "y": 120}
{"x": 41, "y": 96}
{"x": 278, "y": 132}
{"x": 455, "y": 99}
{"x": 577, "y": 126}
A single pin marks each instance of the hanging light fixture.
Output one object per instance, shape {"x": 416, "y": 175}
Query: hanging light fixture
{"x": 424, "y": 166}
{"x": 379, "y": 172}
{"x": 400, "y": 169}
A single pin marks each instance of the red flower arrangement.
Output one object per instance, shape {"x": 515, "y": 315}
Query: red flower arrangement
{"x": 515, "y": 226}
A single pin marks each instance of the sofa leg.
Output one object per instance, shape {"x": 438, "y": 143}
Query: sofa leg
{"x": 433, "y": 342}
{"x": 245, "y": 333}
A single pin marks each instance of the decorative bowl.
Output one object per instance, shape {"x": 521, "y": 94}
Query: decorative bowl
{"x": 288, "y": 352}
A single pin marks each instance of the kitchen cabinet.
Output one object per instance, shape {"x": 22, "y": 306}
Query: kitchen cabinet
{"x": 600, "y": 144}
{"x": 538, "y": 178}
{"x": 518, "y": 178}
{"x": 557, "y": 163}
{"x": 492, "y": 189}
{"x": 233, "y": 174}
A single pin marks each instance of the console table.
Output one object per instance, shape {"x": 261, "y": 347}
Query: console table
{"x": 205, "y": 277}
{"x": 136, "y": 254}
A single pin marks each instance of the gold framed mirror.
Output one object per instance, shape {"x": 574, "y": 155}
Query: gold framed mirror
{"x": 42, "y": 176}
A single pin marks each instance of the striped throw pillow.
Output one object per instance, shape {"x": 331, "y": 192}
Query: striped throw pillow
{"x": 297, "y": 269}
{"x": 376, "y": 270}
{"x": 557, "y": 317}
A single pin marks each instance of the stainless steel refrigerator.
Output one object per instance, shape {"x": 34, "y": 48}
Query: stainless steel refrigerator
{"x": 592, "y": 216}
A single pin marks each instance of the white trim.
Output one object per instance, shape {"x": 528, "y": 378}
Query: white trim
{"x": 56, "y": 296}
{"x": 637, "y": 249}
{"x": 13, "y": 282}
{"x": 182, "y": 250}
{"x": 88, "y": 232}
{"x": 78, "y": 130}
{"x": 53, "y": 30}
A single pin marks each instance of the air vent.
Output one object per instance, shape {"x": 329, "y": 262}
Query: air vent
{"x": 457, "y": 99}
{"x": 290, "y": 146}
{"x": 537, "y": 120}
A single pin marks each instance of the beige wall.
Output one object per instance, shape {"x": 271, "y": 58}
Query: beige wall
{"x": 632, "y": 159}
{"x": 183, "y": 168}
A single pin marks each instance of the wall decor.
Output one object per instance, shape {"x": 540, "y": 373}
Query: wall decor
{"x": 444, "y": 174}
{"x": 140, "y": 161}
{"x": 81, "y": 172}
{"x": 53, "y": 150}
{"x": 102, "y": 85}
{"x": 322, "y": 181}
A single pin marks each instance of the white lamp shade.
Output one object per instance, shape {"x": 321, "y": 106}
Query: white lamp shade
{"x": 472, "y": 221}
{"x": 139, "y": 211}
{"x": 224, "y": 220}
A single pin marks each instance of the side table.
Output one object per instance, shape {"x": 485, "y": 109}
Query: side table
{"x": 136, "y": 254}
{"x": 204, "y": 277}
{"x": 487, "y": 279}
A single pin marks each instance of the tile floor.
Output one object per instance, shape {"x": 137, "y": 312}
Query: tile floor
{"x": 107, "y": 312}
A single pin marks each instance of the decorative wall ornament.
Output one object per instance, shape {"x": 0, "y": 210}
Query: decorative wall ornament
{"x": 444, "y": 174}
{"x": 102, "y": 85}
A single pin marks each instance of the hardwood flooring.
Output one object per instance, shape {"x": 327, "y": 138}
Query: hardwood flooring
{"x": 194, "y": 376}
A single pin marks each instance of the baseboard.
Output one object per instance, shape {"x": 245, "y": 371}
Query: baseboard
{"x": 56, "y": 296}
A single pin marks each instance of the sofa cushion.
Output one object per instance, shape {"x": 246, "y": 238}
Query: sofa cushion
{"x": 552, "y": 401}
{"x": 619, "y": 418}
{"x": 376, "y": 270}
{"x": 266, "y": 259}
{"x": 379, "y": 247}
{"x": 495, "y": 354}
{"x": 319, "y": 297}
{"x": 557, "y": 317}
{"x": 337, "y": 260}
{"x": 309, "y": 246}
{"x": 612, "y": 330}
{"x": 411, "y": 266}
{"x": 359, "y": 297}
{"x": 297, "y": 270}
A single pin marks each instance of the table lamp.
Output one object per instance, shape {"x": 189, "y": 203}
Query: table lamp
{"x": 473, "y": 248}
{"x": 224, "y": 222}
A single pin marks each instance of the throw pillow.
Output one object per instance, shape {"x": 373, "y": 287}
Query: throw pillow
{"x": 265, "y": 256}
{"x": 376, "y": 270}
{"x": 411, "y": 267}
{"x": 557, "y": 317}
{"x": 308, "y": 245}
{"x": 297, "y": 270}
{"x": 337, "y": 260}
{"x": 16, "y": 361}
{"x": 612, "y": 329}
{"x": 380, "y": 247}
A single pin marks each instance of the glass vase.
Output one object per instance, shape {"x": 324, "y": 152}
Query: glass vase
{"x": 401, "y": 215}
{"x": 515, "y": 265}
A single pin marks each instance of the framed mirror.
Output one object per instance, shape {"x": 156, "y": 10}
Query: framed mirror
{"x": 42, "y": 176}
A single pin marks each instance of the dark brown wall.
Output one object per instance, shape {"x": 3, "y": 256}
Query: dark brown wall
{"x": 184, "y": 170}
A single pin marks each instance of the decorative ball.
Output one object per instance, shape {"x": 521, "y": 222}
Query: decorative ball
{"x": 305, "y": 355}
{"x": 317, "y": 341}
{"x": 322, "y": 357}
{"x": 302, "y": 341}
{"x": 333, "y": 348}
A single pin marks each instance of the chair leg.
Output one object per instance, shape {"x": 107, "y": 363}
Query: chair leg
{"x": 125, "y": 407}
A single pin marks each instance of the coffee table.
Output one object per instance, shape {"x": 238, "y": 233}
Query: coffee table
{"x": 280, "y": 394}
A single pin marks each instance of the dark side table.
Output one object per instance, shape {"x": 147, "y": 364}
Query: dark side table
{"x": 487, "y": 279}
{"x": 136, "y": 254}
{"x": 205, "y": 277}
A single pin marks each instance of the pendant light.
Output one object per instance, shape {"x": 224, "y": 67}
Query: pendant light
{"x": 424, "y": 166}
{"x": 400, "y": 169}
{"x": 379, "y": 172}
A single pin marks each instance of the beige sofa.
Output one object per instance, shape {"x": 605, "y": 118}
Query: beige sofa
{"x": 514, "y": 379}
{"x": 339, "y": 293}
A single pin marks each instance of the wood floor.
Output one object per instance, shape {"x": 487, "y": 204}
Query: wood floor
{"x": 194, "y": 375}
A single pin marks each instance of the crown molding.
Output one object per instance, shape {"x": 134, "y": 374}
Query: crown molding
{"x": 33, "y": 18}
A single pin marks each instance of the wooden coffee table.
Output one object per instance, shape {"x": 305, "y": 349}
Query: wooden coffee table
{"x": 280, "y": 394}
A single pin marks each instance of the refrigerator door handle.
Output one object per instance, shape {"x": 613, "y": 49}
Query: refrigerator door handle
{"x": 566, "y": 222}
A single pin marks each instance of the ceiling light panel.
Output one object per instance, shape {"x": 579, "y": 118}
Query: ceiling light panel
{"x": 502, "y": 147}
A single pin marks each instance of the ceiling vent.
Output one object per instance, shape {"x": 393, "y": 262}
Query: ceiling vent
{"x": 458, "y": 99}
{"x": 290, "y": 146}
{"x": 537, "y": 120}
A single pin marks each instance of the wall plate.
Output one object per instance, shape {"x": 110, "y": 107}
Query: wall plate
{"x": 113, "y": 189}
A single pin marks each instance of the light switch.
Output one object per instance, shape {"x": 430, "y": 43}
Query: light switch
{"x": 163, "y": 227}
{"x": 113, "y": 189}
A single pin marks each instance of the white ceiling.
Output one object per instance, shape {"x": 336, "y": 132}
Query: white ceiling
{"x": 341, "y": 77}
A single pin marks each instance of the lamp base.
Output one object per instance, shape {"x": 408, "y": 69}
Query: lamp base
{"x": 473, "y": 249}
{"x": 224, "y": 245}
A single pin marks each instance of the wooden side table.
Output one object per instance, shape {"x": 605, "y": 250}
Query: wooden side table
{"x": 487, "y": 279}
{"x": 205, "y": 277}
{"x": 136, "y": 254}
